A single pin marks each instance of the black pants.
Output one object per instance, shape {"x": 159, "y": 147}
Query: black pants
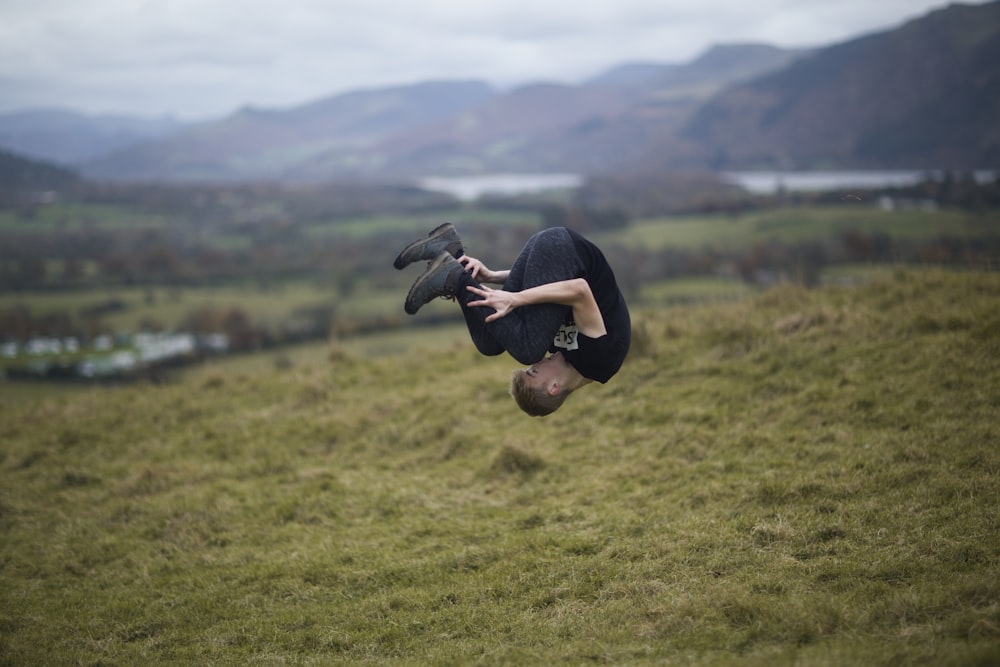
{"x": 526, "y": 333}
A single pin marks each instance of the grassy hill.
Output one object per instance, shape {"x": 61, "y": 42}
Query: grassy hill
{"x": 804, "y": 477}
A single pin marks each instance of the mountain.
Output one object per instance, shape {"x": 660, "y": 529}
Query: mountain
{"x": 921, "y": 96}
{"x": 256, "y": 144}
{"x": 500, "y": 135}
{"x": 720, "y": 64}
{"x": 443, "y": 128}
{"x": 71, "y": 138}
{"x": 630, "y": 75}
{"x": 587, "y": 128}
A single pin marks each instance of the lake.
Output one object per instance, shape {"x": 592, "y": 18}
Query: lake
{"x": 468, "y": 188}
{"x": 769, "y": 182}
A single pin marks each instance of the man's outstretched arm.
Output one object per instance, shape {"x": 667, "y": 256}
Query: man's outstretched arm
{"x": 575, "y": 293}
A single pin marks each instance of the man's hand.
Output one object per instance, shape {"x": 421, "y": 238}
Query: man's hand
{"x": 497, "y": 299}
{"x": 574, "y": 293}
{"x": 480, "y": 272}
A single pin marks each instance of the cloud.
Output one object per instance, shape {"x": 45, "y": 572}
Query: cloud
{"x": 208, "y": 57}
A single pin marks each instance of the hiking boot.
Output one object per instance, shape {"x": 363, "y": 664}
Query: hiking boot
{"x": 442, "y": 238}
{"x": 443, "y": 277}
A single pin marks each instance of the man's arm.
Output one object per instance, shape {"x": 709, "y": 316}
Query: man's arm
{"x": 575, "y": 293}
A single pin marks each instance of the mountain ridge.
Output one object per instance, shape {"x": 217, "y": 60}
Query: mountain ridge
{"x": 921, "y": 95}
{"x": 535, "y": 127}
{"x": 903, "y": 98}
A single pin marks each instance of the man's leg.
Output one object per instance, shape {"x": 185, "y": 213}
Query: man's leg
{"x": 481, "y": 336}
{"x": 526, "y": 334}
{"x": 548, "y": 257}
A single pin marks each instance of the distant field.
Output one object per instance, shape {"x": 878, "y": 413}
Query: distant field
{"x": 791, "y": 225}
{"x": 169, "y": 305}
{"x": 65, "y": 217}
{"x": 375, "y": 297}
{"x": 270, "y": 306}
{"x": 467, "y": 217}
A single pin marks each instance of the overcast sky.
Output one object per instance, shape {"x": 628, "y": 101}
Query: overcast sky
{"x": 198, "y": 59}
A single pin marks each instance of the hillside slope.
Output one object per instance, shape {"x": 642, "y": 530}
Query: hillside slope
{"x": 808, "y": 477}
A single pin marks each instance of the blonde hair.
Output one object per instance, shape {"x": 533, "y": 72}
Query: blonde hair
{"x": 536, "y": 402}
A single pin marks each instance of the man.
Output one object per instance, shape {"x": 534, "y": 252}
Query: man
{"x": 559, "y": 296}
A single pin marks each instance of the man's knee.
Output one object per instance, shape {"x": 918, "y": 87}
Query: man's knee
{"x": 529, "y": 355}
{"x": 552, "y": 236}
{"x": 490, "y": 351}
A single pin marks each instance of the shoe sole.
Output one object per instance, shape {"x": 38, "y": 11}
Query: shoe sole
{"x": 434, "y": 234}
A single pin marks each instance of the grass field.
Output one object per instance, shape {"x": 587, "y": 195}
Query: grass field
{"x": 796, "y": 478}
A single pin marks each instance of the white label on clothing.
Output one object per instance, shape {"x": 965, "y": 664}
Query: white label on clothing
{"x": 566, "y": 337}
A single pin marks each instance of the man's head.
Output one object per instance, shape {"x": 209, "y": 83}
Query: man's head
{"x": 542, "y": 388}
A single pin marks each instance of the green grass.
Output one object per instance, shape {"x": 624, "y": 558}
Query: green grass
{"x": 15, "y": 393}
{"x": 373, "y": 345}
{"x": 802, "y": 477}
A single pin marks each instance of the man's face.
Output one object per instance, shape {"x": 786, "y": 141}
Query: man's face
{"x": 542, "y": 374}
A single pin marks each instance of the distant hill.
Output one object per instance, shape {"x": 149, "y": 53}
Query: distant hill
{"x": 658, "y": 107}
{"x": 18, "y": 173}
{"x": 924, "y": 95}
{"x": 266, "y": 144}
{"x": 71, "y": 138}
{"x": 723, "y": 63}
{"x": 587, "y": 128}
{"x": 442, "y": 128}
{"x": 630, "y": 75}
{"x": 500, "y": 135}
